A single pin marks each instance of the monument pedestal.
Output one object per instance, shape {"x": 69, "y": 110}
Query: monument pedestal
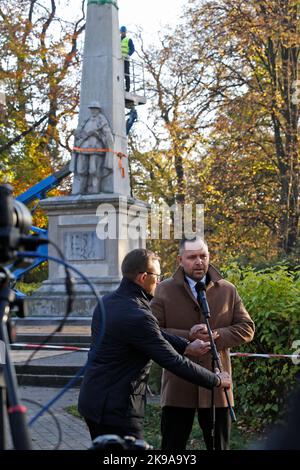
{"x": 94, "y": 232}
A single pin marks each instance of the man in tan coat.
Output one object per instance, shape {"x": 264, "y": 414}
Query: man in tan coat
{"x": 176, "y": 307}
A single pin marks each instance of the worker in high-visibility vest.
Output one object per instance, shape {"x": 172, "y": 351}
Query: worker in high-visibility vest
{"x": 127, "y": 49}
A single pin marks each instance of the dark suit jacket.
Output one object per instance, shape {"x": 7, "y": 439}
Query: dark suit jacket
{"x": 113, "y": 390}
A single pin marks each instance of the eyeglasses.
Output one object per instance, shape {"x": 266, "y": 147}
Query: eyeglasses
{"x": 159, "y": 277}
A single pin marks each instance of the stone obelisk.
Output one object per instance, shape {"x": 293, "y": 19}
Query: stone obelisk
{"x": 100, "y": 202}
{"x": 103, "y": 83}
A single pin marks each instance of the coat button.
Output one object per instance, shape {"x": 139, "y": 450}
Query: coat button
{"x": 197, "y": 309}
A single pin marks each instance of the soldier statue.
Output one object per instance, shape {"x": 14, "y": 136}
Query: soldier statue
{"x": 92, "y": 159}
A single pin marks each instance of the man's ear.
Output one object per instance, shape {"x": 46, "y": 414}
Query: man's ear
{"x": 179, "y": 258}
{"x": 140, "y": 278}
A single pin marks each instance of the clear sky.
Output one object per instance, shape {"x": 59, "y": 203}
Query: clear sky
{"x": 151, "y": 15}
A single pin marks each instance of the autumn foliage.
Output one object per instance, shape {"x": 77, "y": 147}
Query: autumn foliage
{"x": 225, "y": 114}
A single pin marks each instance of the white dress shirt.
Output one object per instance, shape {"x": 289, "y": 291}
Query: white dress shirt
{"x": 192, "y": 284}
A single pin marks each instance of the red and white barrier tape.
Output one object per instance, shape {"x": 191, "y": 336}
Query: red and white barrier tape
{"x": 75, "y": 348}
{"x": 48, "y": 346}
{"x": 271, "y": 356}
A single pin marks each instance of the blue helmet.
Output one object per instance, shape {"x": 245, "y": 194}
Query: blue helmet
{"x": 123, "y": 29}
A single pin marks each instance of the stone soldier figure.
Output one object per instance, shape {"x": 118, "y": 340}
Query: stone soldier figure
{"x": 92, "y": 167}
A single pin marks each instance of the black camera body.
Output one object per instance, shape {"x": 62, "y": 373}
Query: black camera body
{"x": 15, "y": 223}
{"x": 112, "y": 442}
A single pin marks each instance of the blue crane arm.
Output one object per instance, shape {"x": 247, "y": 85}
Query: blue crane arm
{"x": 39, "y": 190}
{"x": 132, "y": 117}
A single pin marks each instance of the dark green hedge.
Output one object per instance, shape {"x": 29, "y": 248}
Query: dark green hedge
{"x": 272, "y": 297}
{"x": 261, "y": 386}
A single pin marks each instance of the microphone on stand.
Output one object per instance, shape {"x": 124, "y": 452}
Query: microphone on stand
{"x": 202, "y": 300}
{"x": 201, "y": 294}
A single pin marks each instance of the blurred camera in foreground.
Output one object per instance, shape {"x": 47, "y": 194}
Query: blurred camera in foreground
{"x": 15, "y": 225}
{"x": 112, "y": 442}
{"x": 15, "y": 222}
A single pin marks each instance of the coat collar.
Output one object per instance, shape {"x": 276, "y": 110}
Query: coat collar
{"x": 212, "y": 276}
{"x": 131, "y": 289}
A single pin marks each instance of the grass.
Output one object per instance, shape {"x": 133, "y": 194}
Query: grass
{"x": 239, "y": 438}
{"x": 72, "y": 409}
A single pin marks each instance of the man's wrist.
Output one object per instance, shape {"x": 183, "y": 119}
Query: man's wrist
{"x": 190, "y": 337}
{"x": 187, "y": 345}
{"x": 219, "y": 381}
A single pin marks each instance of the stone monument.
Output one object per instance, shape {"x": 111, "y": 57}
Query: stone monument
{"x": 91, "y": 225}
{"x": 92, "y": 160}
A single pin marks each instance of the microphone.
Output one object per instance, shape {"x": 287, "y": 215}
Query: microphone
{"x": 202, "y": 300}
{"x": 200, "y": 286}
{"x": 200, "y": 289}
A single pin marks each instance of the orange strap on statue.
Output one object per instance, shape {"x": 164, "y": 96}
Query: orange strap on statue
{"x": 120, "y": 155}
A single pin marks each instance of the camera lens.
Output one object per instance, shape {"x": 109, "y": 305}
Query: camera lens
{"x": 108, "y": 442}
{"x": 15, "y": 222}
{"x": 21, "y": 217}
{"x": 13, "y": 213}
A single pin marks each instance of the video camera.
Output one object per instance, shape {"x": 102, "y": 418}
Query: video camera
{"x": 15, "y": 224}
{"x": 112, "y": 442}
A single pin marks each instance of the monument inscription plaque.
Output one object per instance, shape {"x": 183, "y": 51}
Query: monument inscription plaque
{"x": 83, "y": 246}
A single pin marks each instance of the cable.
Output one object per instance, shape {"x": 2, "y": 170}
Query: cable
{"x": 58, "y": 426}
{"x": 51, "y": 402}
{"x": 30, "y": 254}
{"x": 69, "y": 288}
{"x": 70, "y": 293}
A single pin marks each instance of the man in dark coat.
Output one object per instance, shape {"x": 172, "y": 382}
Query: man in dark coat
{"x": 113, "y": 392}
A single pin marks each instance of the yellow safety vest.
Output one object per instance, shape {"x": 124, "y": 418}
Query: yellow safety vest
{"x": 125, "y": 47}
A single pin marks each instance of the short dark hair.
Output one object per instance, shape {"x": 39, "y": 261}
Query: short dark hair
{"x": 137, "y": 261}
{"x": 194, "y": 239}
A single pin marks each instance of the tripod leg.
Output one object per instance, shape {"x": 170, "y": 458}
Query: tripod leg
{"x": 2, "y": 407}
{"x": 16, "y": 412}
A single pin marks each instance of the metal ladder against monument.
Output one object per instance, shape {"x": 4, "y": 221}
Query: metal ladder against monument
{"x": 137, "y": 94}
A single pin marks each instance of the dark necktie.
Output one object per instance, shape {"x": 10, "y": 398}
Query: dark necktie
{"x": 200, "y": 286}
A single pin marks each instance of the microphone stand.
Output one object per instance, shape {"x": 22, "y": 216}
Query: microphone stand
{"x": 216, "y": 363}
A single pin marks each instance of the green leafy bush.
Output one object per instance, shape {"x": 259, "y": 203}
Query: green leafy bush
{"x": 261, "y": 386}
{"x": 272, "y": 297}
{"x": 38, "y": 274}
{"x": 27, "y": 288}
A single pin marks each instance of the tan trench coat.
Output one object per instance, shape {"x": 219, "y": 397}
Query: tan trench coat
{"x": 177, "y": 310}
